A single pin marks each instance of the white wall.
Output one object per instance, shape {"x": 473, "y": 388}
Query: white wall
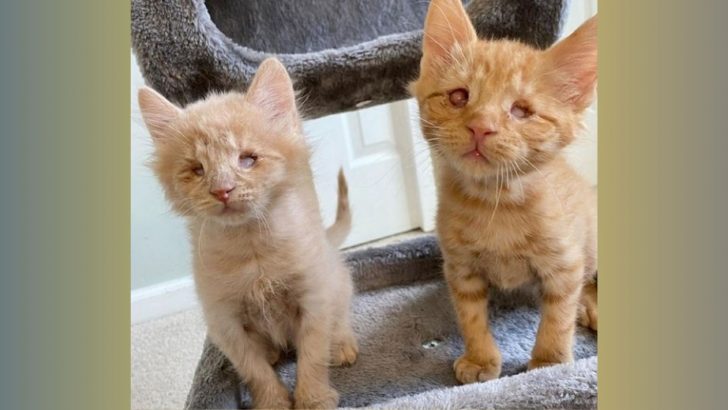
{"x": 159, "y": 248}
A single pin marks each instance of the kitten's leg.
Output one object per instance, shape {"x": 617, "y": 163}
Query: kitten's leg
{"x": 588, "y": 306}
{"x": 561, "y": 285}
{"x": 469, "y": 291}
{"x": 313, "y": 344}
{"x": 344, "y": 347}
{"x": 273, "y": 356}
{"x": 272, "y": 352}
{"x": 250, "y": 359}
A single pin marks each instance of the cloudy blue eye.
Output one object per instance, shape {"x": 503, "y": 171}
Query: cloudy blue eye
{"x": 247, "y": 161}
{"x": 520, "y": 110}
{"x": 199, "y": 170}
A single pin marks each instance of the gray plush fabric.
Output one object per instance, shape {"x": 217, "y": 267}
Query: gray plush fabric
{"x": 342, "y": 54}
{"x": 409, "y": 339}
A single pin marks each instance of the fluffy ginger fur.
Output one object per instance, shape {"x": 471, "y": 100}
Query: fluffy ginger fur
{"x": 512, "y": 212}
{"x": 267, "y": 274}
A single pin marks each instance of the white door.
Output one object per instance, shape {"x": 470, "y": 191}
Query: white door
{"x": 381, "y": 158}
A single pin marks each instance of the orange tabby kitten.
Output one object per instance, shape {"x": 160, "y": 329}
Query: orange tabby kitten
{"x": 497, "y": 115}
{"x": 267, "y": 273}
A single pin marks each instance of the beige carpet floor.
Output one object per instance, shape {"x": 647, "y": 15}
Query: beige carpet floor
{"x": 164, "y": 352}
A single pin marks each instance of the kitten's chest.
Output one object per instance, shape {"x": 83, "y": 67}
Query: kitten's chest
{"x": 269, "y": 301}
{"x": 250, "y": 275}
{"x": 496, "y": 248}
{"x": 271, "y": 310}
{"x": 263, "y": 294}
{"x": 248, "y": 271}
{"x": 497, "y": 242}
{"x": 499, "y": 231}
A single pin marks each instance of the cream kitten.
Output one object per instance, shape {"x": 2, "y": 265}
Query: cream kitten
{"x": 267, "y": 273}
{"x": 511, "y": 211}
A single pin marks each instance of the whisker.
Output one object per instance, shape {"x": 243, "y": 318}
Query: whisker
{"x": 518, "y": 177}
{"x": 497, "y": 196}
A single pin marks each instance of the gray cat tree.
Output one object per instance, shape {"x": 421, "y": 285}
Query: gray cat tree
{"x": 342, "y": 54}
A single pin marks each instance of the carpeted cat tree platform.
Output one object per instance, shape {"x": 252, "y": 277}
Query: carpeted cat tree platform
{"x": 342, "y": 54}
{"x": 408, "y": 340}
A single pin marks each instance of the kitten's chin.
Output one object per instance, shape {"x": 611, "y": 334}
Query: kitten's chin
{"x": 473, "y": 164}
{"x": 234, "y": 214}
{"x": 232, "y": 218}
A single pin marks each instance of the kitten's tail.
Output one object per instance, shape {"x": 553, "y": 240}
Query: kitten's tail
{"x": 337, "y": 232}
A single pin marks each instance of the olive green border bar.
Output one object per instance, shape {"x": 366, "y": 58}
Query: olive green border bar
{"x": 65, "y": 205}
{"x": 662, "y": 190}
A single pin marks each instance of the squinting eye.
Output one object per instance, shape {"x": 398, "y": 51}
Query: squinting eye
{"x": 459, "y": 97}
{"x": 520, "y": 111}
{"x": 199, "y": 171}
{"x": 247, "y": 161}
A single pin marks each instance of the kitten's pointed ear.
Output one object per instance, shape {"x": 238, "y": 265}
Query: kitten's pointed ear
{"x": 447, "y": 25}
{"x": 157, "y": 112}
{"x": 570, "y": 66}
{"x": 272, "y": 90}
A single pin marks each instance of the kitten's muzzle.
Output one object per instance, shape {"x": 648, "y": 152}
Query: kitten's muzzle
{"x": 480, "y": 130}
{"x": 222, "y": 194}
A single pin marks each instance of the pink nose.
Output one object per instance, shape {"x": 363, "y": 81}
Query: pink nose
{"x": 480, "y": 131}
{"x": 222, "y": 194}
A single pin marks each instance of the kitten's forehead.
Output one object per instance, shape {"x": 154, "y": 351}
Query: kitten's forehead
{"x": 212, "y": 132}
{"x": 506, "y": 61}
{"x": 224, "y": 122}
{"x": 218, "y": 114}
{"x": 216, "y": 140}
{"x": 494, "y": 65}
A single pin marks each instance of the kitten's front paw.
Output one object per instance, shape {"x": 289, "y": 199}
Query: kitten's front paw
{"x": 345, "y": 353}
{"x": 320, "y": 398}
{"x": 467, "y": 371}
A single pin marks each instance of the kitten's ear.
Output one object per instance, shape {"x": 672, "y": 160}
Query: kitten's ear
{"x": 570, "y": 66}
{"x": 447, "y": 25}
{"x": 157, "y": 112}
{"x": 271, "y": 89}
